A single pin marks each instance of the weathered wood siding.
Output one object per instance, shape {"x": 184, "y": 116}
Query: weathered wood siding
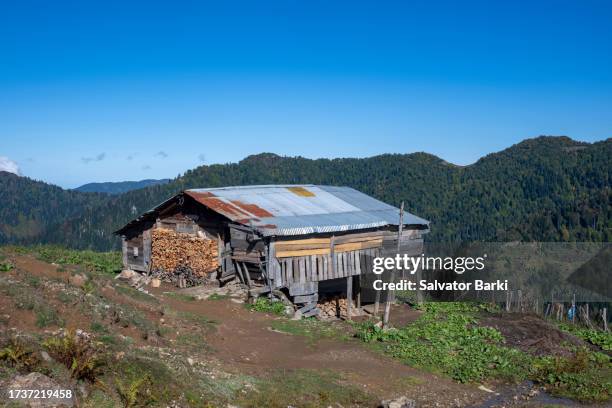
{"x": 319, "y": 259}
{"x": 134, "y": 253}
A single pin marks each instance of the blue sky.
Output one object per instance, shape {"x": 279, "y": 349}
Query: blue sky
{"x": 131, "y": 90}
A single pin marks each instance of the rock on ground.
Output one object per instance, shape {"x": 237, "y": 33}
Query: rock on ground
{"x": 38, "y": 381}
{"x": 401, "y": 402}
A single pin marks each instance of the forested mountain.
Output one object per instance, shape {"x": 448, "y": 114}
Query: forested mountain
{"x": 119, "y": 187}
{"x": 547, "y": 189}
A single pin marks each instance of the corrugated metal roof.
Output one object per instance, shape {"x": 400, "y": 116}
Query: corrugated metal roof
{"x": 300, "y": 209}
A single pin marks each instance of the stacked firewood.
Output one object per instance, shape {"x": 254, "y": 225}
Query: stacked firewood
{"x": 182, "y": 276}
{"x": 333, "y": 306}
{"x": 171, "y": 249}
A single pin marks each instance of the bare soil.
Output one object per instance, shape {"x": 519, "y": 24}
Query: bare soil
{"x": 531, "y": 334}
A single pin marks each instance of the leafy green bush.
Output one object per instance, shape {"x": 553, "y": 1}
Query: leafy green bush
{"x": 78, "y": 355}
{"x": 6, "y": 266}
{"x": 446, "y": 339}
{"x": 266, "y": 305}
{"x": 103, "y": 262}
{"x": 579, "y": 376}
{"x": 135, "y": 392}
{"x": 599, "y": 338}
{"x": 16, "y": 354}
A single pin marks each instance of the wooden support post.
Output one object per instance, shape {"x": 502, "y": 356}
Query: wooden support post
{"x": 238, "y": 270}
{"x": 349, "y": 297}
{"x": 124, "y": 249}
{"x": 359, "y": 292}
{"x": 574, "y": 309}
{"x": 604, "y": 315}
{"x": 390, "y": 294}
{"x": 246, "y": 274}
{"x": 507, "y": 300}
{"x": 377, "y": 303}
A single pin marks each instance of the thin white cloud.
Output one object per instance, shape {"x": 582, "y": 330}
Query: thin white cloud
{"x": 9, "y": 165}
{"x": 97, "y": 158}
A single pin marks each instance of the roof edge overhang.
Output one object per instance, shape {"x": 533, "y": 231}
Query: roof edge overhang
{"x": 246, "y": 214}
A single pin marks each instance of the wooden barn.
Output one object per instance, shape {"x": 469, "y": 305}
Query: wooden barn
{"x": 306, "y": 240}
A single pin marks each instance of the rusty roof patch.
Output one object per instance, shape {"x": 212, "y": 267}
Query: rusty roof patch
{"x": 200, "y": 194}
{"x": 254, "y": 209}
{"x": 301, "y": 191}
{"x": 219, "y": 205}
{"x": 284, "y": 210}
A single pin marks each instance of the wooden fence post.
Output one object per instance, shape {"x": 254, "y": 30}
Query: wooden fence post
{"x": 574, "y": 309}
{"x": 390, "y": 295}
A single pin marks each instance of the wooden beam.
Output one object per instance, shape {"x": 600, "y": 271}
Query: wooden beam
{"x": 246, "y": 274}
{"x": 349, "y": 297}
{"x": 303, "y": 252}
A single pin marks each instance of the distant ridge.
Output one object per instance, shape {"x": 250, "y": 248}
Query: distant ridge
{"x": 119, "y": 187}
{"x": 543, "y": 189}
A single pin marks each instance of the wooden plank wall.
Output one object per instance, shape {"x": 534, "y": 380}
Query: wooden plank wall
{"x": 319, "y": 259}
{"x": 134, "y": 254}
{"x": 314, "y": 268}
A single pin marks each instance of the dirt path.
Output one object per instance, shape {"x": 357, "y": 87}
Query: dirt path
{"x": 245, "y": 343}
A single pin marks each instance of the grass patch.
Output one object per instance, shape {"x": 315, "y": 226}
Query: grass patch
{"x": 190, "y": 340}
{"x": 305, "y": 388}
{"x": 263, "y": 304}
{"x": 599, "y": 338}
{"x": 16, "y": 354}
{"x": 135, "y": 294}
{"x": 585, "y": 376}
{"x": 216, "y": 296}
{"x": 312, "y": 329}
{"x": 33, "y": 281}
{"x": 108, "y": 339}
{"x": 47, "y": 316}
{"x": 102, "y": 262}
{"x": 97, "y": 327}
{"x": 64, "y": 297}
{"x": 446, "y": 339}
{"x": 197, "y": 318}
{"x": 181, "y": 296}
{"x": 78, "y": 355}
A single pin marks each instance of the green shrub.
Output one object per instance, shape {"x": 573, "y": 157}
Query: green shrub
{"x": 135, "y": 392}
{"x": 266, "y": 305}
{"x": 16, "y": 354}
{"x": 47, "y": 316}
{"x": 103, "y": 262}
{"x": 599, "y": 338}
{"x": 446, "y": 339}
{"x": 6, "y": 266}
{"x": 77, "y": 354}
{"x": 578, "y": 377}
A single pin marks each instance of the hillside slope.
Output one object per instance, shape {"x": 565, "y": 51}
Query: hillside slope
{"x": 547, "y": 188}
{"x": 118, "y": 187}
